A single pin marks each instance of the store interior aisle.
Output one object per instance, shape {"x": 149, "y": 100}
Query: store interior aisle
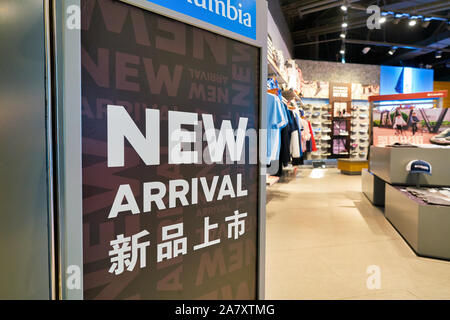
{"x": 323, "y": 234}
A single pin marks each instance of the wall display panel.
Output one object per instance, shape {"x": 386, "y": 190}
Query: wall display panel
{"x": 164, "y": 220}
{"x": 363, "y": 92}
{"x": 26, "y": 247}
{"x": 320, "y": 90}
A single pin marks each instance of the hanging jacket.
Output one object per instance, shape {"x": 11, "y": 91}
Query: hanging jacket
{"x": 295, "y": 146}
{"x": 313, "y": 141}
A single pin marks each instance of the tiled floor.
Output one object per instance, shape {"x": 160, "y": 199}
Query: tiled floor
{"x": 323, "y": 234}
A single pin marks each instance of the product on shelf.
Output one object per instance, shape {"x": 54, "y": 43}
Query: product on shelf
{"x": 442, "y": 139}
{"x": 433, "y": 196}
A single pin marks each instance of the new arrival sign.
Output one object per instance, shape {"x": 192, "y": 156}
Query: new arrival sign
{"x": 238, "y": 16}
{"x": 170, "y": 204}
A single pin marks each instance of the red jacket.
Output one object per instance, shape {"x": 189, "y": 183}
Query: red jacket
{"x": 313, "y": 142}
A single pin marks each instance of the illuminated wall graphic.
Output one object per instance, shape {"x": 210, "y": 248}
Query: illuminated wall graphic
{"x": 394, "y": 80}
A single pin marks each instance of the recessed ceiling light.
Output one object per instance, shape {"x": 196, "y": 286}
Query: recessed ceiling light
{"x": 343, "y": 35}
{"x": 344, "y": 25}
{"x": 412, "y": 22}
{"x": 438, "y": 54}
{"x": 382, "y": 19}
{"x": 366, "y": 50}
{"x": 344, "y": 7}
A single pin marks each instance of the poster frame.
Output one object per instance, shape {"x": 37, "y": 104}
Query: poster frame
{"x": 66, "y": 70}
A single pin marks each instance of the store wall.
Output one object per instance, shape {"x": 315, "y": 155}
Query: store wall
{"x": 279, "y": 30}
{"x": 339, "y": 72}
{"x": 24, "y": 245}
{"x": 443, "y": 85}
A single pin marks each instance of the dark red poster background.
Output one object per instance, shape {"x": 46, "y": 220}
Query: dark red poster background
{"x": 138, "y": 59}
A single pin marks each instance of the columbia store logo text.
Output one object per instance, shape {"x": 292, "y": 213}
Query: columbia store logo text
{"x": 225, "y": 9}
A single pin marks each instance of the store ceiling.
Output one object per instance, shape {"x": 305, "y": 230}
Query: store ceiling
{"x": 316, "y": 26}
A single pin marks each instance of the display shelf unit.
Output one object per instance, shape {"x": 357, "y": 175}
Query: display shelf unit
{"x": 340, "y": 97}
{"x": 359, "y": 133}
{"x": 425, "y": 227}
{"x": 340, "y": 132}
{"x": 321, "y": 129}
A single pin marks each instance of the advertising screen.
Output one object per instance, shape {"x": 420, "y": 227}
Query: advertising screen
{"x": 395, "y": 80}
{"x": 414, "y": 124}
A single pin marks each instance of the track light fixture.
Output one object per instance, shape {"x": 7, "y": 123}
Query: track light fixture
{"x": 412, "y": 19}
{"x": 392, "y": 51}
{"x": 342, "y": 48}
{"x": 412, "y": 22}
{"x": 366, "y": 50}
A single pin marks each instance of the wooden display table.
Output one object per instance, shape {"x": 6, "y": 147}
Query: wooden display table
{"x": 352, "y": 166}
